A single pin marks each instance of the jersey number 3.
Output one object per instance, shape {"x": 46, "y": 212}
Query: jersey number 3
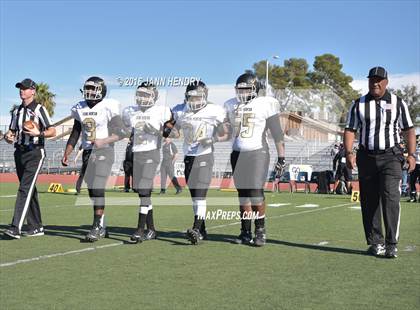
{"x": 90, "y": 126}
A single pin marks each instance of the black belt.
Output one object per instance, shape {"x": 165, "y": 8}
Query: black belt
{"x": 393, "y": 149}
{"x": 29, "y": 147}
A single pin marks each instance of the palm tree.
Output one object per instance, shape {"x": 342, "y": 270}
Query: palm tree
{"x": 45, "y": 97}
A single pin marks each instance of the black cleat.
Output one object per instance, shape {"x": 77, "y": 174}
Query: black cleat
{"x": 178, "y": 191}
{"x": 138, "y": 236}
{"x": 12, "y": 232}
{"x": 412, "y": 199}
{"x": 151, "y": 234}
{"x": 244, "y": 238}
{"x": 203, "y": 234}
{"x": 376, "y": 249}
{"x": 193, "y": 235}
{"x": 259, "y": 239}
{"x": 35, "y": 232}
{"x": 97, "y": 232}
{"x": 391, "y": 251}
{"x": 162, "y": 192}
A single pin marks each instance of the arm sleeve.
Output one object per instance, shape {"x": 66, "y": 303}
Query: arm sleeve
{"x": 13, "y": 120}
{"x": 45, "y": 117}
{"x": 274, "y": 125}
{"x": 75, "y": 133}
{"x": 353, "y": 117}
{"x": 404, "y": 119}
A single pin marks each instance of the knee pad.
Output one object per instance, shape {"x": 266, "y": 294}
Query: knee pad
{"x": 253, "y": 196}
{"x": 97, "y": 195}
{"x": 256, "y": 196}
{"x": 198, "y": 193}
{"x": 144, "y": 195}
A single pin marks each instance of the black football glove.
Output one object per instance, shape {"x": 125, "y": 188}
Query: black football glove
{"x": 280, "y": 166}
{"x": 148, "y": 128}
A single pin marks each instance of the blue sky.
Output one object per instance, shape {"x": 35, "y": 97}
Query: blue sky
{"x": 64, "y": 42}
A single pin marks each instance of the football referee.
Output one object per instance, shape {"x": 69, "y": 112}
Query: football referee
{"x": 29, "y": 156}
{"x": 378, "y": 116}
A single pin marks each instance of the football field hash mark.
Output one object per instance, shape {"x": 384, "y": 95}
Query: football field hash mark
{"x": 276, "y": 205}
{"x": 308, "y": 205}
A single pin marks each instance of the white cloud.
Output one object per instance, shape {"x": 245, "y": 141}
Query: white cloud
{"x": 395, "y": 81}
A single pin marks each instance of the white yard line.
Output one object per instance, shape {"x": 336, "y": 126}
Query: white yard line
{"x": 42, "y": 257}
{"x": 28, "y": 260}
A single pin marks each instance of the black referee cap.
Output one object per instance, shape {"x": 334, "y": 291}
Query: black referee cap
{"x": 25, "y": 84}
{"x": 378, "y": 71}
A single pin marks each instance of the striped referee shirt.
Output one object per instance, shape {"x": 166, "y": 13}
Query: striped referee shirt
{"x": 34, "y": 112}
{"x": 379, "y": 120}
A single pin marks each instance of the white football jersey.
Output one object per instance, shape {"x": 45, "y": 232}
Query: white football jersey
{"x": 135, "y": 118}
{"x": 197, "y": 126}
{"x": 249, "y": 120}
{"x": 95, "y": 120}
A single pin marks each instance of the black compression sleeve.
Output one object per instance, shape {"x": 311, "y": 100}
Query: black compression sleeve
{"x": 75, "y": 133}
{"x": 274, "y": 125}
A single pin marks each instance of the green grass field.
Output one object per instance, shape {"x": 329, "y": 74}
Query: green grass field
{"x": 314, "y": 259}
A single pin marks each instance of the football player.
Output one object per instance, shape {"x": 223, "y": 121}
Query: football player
{"x": 99, "y": 122}
{"x": 146, "y": 121}
{"x": 202, "y": 124}
{"x": 250, "y": 116}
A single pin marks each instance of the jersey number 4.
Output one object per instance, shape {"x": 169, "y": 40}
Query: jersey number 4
{"x": 190, "y": 136}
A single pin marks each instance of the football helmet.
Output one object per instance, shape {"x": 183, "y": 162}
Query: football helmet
{"x": 247, "y": 87}
{"x": 146, "y": 94}
{"x": 196, "y": 95}
{"x": 94, "y": 89}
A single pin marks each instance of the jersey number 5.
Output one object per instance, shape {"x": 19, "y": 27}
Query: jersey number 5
{"x": 245, "y": 126}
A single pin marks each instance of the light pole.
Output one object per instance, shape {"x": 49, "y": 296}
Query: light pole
{"x": 266, "y": 72}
